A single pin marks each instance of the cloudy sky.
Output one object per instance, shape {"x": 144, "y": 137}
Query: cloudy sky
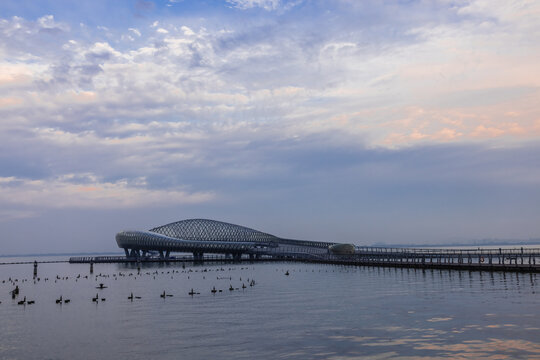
{"x": 357, "y": 121}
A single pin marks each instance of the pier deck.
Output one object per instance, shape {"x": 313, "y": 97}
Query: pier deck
{"x": 515, "y": 260}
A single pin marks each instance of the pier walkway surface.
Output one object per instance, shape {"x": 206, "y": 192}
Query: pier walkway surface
{"x": 516, "y": 260}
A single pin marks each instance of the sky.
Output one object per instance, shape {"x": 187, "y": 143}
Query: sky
{"x": 350, "y": 121}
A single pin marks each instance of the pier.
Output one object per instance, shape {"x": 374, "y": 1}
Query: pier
{"x": 211, "y": 240}
{"x": 517, "y": 259}
{"x": 514, "y": 260}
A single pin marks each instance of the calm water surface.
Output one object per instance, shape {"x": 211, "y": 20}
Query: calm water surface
{"x": 317, "y": 312}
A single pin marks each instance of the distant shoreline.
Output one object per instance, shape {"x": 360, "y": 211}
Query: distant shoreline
{"x": 476, "y": 244}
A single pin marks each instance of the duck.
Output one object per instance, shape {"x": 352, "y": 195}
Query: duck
{"x": 231, "y": 288}
{"x": 22, "y": 302}
{"x": 287, "y": 273}
{"x": 66, "y": 301}
{"x": 130, "y": 297}
{"x": 59, "y": 301}
{"x": 213, "y": 291}
{"x": 30, "y": 302}
{"x": 192, "y": 292}
{"x": 95, "y": 299}
{"x": 243, "y": 286}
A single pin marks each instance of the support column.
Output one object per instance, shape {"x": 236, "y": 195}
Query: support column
{"x": 134, "y": 253}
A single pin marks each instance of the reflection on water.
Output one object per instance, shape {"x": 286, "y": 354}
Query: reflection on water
{"x": 438, "y": 345}
{"x": 317, "y": 312}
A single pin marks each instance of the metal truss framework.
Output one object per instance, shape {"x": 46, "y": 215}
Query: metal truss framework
{"x": 211, "y": 230}
{"x": 201, "y": 236}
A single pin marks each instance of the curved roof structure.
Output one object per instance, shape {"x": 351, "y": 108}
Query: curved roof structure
{"x": 212, "y": 230}
{"x": 202, "y": 236}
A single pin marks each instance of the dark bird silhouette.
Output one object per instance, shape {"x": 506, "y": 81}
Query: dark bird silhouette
{"x": 59, "y": 301}
{"x": 22, "y": 302}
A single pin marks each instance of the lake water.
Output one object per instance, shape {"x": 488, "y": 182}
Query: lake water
{"x": 316, "y": 312}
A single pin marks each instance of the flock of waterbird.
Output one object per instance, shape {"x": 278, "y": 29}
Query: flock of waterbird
{"x": 115, "y": 276}
{"x": 101, "y": 286}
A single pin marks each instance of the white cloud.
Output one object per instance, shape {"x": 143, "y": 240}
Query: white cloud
{"x": 86, "y": 191}
{"x": 248, "y": 4}
{"x": 135, "y": 31}
{"x": 187, "y": 31}
{"x": 194, "y": 85}
{"x": 102, "y": 49}
{"x": 47, "y": 22}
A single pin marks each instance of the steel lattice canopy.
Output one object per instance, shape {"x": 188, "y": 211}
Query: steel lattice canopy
{"x": 212, "y": 230}
{"x": 203, "y": 235}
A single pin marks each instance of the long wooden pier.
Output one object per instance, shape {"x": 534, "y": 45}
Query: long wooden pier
{"x": 481, "y": 259}
{"x": 516, "y": 260}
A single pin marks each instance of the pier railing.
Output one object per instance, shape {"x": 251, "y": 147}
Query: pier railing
{"x": 517, "y": 259}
